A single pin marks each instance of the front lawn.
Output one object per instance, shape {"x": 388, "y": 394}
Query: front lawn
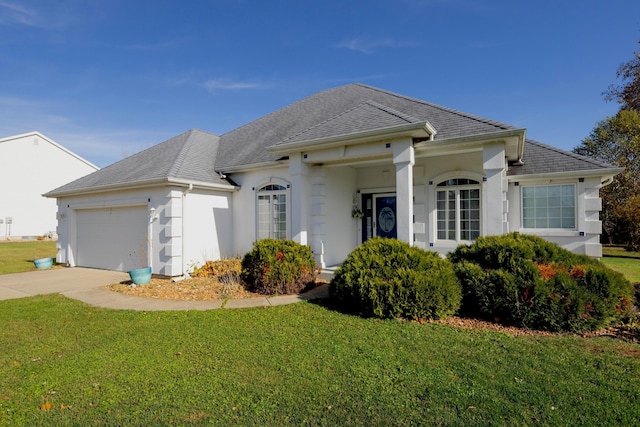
{"x": 17, "y": 257}
{"x": 65, "y": 363}
{"x": 627, "y": 263}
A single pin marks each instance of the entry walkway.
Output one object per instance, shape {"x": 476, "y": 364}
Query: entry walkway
{"x": 85, "y": 284}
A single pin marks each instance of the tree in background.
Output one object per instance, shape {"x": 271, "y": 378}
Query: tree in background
{"x": 628, "y": 213}
{"x": 616, "y": 140}
{"x": 627, "y": 93}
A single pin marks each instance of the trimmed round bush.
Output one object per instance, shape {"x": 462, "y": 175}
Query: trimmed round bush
{"x": 278, "y": 267}
{"x": 524, "y": 280}
{"x": 386, "y": 278}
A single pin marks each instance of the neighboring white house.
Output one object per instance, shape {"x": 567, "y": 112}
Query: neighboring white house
{"x": 30, "y": 165}
{"x": 426, "y": 174}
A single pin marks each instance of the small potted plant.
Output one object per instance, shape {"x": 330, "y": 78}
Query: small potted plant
{"x": 41, "y": 260}
{"x": 43, "y": 263}
{"x": 356, "y": 212}
{"x": 142, "y": 275}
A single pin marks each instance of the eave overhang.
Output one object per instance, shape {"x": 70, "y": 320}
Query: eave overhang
{"x": 587, "y": 173}
{"x": 419, "y": 130}
{"x": 513, "y": 139}
{"x": 143, "y": 184}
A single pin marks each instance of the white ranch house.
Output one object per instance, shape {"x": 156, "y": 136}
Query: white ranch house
{"x": 33, "y": 164}
{"x": 426, "y": 174}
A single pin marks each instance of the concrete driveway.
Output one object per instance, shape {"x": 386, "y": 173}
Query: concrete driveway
{"x": 57, "y": 280}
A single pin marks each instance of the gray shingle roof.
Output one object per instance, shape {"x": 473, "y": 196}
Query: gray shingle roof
{"x": 540, "y": 158}
{"x": 198, "y": 156}
{"x": 353, "y": 108}
{"x": 366, "y": 116}
{"x": 189, "y": 156}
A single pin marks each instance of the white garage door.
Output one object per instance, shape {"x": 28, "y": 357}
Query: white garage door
{"x": 112, "y": 238}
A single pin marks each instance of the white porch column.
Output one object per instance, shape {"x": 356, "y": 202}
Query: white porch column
{"x": 299, "y": 171}
{"x": 495, "y": 208}
{"x": 404, "y": 159}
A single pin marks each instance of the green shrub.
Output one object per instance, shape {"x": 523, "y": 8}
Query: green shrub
{"x": 527, "y": 281}
{"x": 387, "y": 278}
{"x": 277, "y": 267}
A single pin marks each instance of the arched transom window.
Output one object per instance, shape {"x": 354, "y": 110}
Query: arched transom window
{"x": 458, "y": 209}
{"x": 272, "y": 212}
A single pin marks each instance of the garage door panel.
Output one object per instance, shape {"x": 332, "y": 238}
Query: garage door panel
{"x": 112, "y": 238}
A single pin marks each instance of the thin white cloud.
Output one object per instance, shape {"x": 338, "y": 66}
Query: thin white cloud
{"x": 168, "y": 44}
{"x": 370, "y": 46}
{"x": 226, "y": 84}
{"x": 15, "y": 13}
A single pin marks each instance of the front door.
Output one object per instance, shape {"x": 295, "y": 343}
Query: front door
{"x": 385, "y": 224}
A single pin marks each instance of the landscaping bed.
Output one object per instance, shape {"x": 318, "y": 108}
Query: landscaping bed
{"x": 194, "y": 289}
{"x": 623, "y": 332}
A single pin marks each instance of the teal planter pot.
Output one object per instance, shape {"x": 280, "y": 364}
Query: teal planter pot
{"x": 140, "y": 276}
{"x": 43, "y": 262}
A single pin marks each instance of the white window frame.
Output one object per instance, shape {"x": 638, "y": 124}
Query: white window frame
{"x": 283, "y": 190}
{"x": 543, "y": 229}
{"x": 457, "y": 189}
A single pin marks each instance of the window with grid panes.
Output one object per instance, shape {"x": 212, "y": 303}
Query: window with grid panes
{"x": 272, "y": 212}
{"x": 458, "y": 209}
{"x": 549, "y": 206}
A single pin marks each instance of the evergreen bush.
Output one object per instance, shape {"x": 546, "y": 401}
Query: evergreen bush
{"x": 278, "y": 267}
{"x": 526, "y": 281}
{"x": 386, "y": 278}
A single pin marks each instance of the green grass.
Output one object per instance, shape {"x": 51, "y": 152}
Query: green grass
{"x": 17, "y": 257}
{"x": 627, "y": 263}
{"x": 301, "y": 364}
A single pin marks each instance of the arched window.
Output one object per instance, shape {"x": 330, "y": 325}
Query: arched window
{"x": 272, "y": 211}
{"x": 458, "y": 209}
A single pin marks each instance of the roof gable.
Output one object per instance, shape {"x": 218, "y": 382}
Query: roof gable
{"x": 189, "y": 156}
{"x": 366, "y": 116}
{"x": 355, "y": 107}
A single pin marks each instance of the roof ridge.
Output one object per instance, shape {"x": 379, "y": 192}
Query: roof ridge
{"x": 440, "y": 107}
{"x": 182, "y": 154}
{"x": 386, "y": 109}
{"x": 299, "y": 101}
{"x": 587, "y": 159}
{"x": 409, "y": 118}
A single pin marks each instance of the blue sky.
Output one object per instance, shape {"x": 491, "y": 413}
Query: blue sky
{"x": 106, "y": 79}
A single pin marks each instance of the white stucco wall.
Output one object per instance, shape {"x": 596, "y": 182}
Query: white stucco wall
{"x": 208, "y": 227}
{"x": 332, "y": 228}
{"x": 31, "y": 166}
{"x": 189, "y": 227}
{"x": 244, "y": 204}
{"x": 328, "y": 214}
{"x": 585, "y": 238}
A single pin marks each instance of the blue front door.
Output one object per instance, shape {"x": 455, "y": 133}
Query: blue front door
{"x": 385, "y": 216}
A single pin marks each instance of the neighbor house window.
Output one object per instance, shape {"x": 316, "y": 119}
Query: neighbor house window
{"x": 458, "y": 209}
{"x": 272, "y": 212}
{"x": 549, "y": 206}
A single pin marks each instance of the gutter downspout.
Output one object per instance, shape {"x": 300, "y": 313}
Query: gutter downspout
{"x": 606, "y": 182}
{"x": 189, "y": 189}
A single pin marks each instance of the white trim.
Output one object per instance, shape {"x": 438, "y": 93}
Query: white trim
{"x": 605, "y": 173}
{"x": 158, "y": 182}
{"x": 106, "y": 204}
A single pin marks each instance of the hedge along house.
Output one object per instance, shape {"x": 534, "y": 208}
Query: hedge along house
{"x": 332, "y": 170}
